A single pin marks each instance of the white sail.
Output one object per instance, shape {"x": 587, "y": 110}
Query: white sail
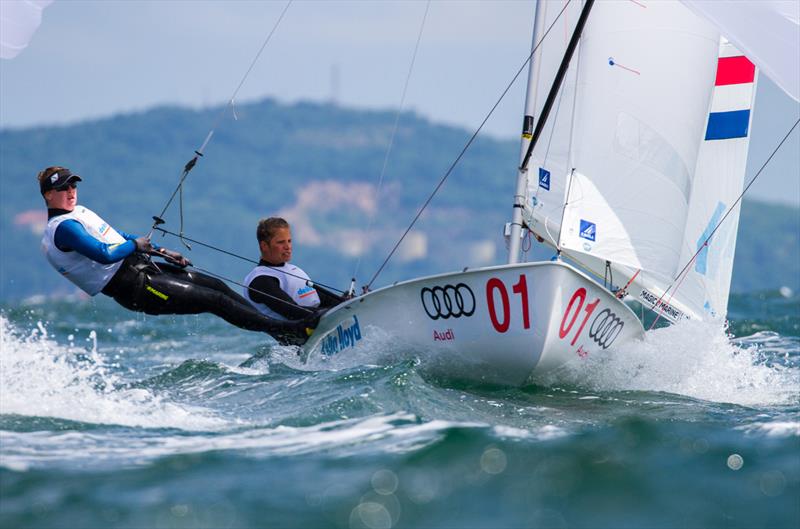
{"x": 718, "y": 182}
{"x": 766, "y": 31}
{"x": 18, "y": 22}
{"x": 641, "y": 180}
{"x": 645, "y": 78}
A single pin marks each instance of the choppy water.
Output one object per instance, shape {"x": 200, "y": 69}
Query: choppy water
{"x": 112, "y": 419}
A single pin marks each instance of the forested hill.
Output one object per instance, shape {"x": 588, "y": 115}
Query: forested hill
{"x": 318, "y": 166}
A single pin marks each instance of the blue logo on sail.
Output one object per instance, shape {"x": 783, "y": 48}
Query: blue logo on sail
{"x": 588, "y": 230}
{"x": 701, "y": 265}
{"x": 544, "y": 178}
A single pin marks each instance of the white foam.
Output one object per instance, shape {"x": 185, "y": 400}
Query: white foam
{"x": 774, "y": 429}
{"x": 695, "y": 359}
{"x": 40, "y": 378}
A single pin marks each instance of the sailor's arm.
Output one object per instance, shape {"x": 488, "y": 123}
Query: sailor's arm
{"x": 71, "y": 235}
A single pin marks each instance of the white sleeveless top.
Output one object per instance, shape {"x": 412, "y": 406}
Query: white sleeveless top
{"x": 291, "y": 279}
{"x": 90, "y": 276}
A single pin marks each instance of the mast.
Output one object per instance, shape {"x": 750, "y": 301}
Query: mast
{"x": 529, "y": 138}
{"x": 527, "y": 131}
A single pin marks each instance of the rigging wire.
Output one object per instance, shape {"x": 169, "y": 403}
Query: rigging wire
{"x": 247, "y": 259}
{"x": 464, "y": 149}
{"x": 683, "y": 273}
{"x": 157, "y": 220}
{"x": 392, "y": 137}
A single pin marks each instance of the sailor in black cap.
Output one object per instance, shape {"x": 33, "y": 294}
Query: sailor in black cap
{"x": 88, "y": 251}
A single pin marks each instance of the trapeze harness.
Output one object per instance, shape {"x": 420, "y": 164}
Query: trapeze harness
{"x": 95, "y": 257}
{"x": 293, "y": 290}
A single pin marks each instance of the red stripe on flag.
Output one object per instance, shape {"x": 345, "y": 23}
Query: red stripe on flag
{"x": 734, "y": 70}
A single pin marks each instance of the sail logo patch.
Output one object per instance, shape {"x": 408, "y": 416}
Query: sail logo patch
{"x": 544, "y": 178}
{"x": 588, "y": 230}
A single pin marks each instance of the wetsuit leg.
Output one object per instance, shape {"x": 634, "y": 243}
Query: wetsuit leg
{"x": 170, "y": 293}
{"x": 204, "y": 280}
{"x": 173, "y": 290}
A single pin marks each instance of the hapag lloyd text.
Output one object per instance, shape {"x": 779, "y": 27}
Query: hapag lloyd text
{"x": 341, "y": 338}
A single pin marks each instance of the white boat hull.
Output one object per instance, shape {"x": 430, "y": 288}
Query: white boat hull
{"x": 498, "y": 324}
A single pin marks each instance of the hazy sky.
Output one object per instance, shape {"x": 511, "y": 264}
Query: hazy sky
{"x": 95, "y": 58}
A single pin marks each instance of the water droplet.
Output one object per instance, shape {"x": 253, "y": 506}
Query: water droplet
{"x": 371, "y": 515}
{"x": 493, "y": 461}
{"x": 384, "y": 482}
{"x": 735, "y": 461}
{"x": 180, "y": 510}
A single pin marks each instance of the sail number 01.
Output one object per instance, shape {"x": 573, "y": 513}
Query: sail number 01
{"x": 521, "y": 288}
{"x": 578, "y": 297}
{"x": 605, "y": 327}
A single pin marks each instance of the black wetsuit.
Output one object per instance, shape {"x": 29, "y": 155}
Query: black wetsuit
{"x": 160, "y": 288}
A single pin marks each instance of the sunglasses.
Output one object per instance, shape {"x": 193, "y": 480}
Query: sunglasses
{"x": 71, "y": 185}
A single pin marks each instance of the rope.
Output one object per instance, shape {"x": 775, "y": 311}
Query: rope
{"x": 464, "y": 150}
{"x": 226, "y": 252}
{"x": 199, "y": 152}
{"x": 683, "y": 273}
{"x": 621, "y": 293}
{"x": 394, "y": 132}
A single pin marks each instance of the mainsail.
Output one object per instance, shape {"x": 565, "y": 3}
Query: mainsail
{"x": 767, "y": 31}
{"x": 633, "y": 171}
{"x": 18, "y": 23}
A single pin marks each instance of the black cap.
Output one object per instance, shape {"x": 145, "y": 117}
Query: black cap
{"x": 58, "y": 180}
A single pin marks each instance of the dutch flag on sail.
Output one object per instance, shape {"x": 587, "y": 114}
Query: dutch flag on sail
{"x": 730, "y": 109}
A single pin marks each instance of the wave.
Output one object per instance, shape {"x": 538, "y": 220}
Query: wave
{"x": 41, "y": 378}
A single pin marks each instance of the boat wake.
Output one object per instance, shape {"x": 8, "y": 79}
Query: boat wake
{"x": 698, "y": 360}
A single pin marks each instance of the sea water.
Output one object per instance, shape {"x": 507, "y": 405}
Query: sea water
{"x": 115, "y": 419}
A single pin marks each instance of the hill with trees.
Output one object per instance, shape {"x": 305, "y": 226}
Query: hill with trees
{"x": 318, "y": 166}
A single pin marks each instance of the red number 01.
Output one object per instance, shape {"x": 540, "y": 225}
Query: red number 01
{"x": 520, "y": 288}
{"x": 580, "y": 297}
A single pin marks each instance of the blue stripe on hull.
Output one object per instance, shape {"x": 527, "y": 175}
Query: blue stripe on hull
{"x": 726, "y": 125}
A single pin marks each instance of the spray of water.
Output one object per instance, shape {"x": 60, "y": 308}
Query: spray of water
{"x": 41, "y": 378}
{"x": 698, "y": 360}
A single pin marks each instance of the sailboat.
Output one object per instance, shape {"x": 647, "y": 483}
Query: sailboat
{"x": 643, "y": 153}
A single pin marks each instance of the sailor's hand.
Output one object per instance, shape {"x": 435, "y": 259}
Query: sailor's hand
{"x": 174, "y": 257}
{"x": 143, "y": 245}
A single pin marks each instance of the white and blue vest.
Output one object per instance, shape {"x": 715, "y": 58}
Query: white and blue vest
{"x": 90, "y": 276}
{"x": 291, "y": 279}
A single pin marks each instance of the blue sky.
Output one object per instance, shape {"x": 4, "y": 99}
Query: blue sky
{"x": 96, "y": 58}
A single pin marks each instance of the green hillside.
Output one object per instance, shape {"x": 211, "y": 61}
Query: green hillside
{"x": 318, "y": 166}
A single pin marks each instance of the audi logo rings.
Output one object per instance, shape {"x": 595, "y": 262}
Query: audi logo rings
{"x": 605, "y": 328}
{"x": 448, "y": 301}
